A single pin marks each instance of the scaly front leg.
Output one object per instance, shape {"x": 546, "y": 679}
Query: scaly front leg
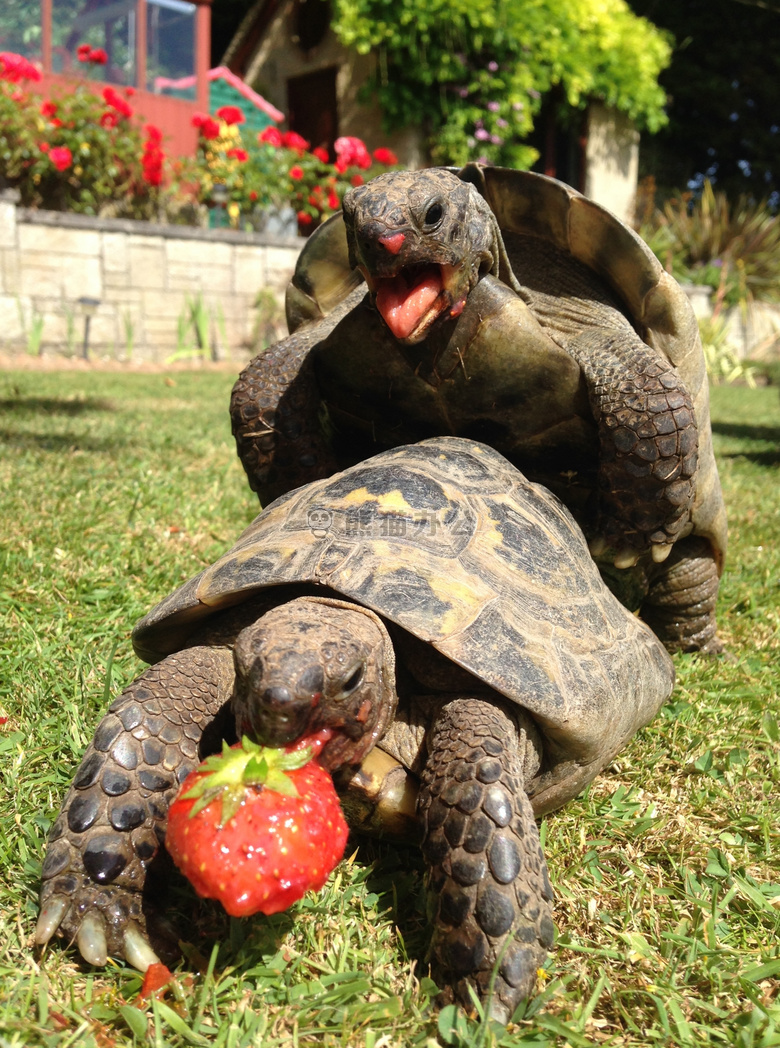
{"x": 275, "y": 409}
{"x": 112, "y": 822}
{"x": 648, "y": 444}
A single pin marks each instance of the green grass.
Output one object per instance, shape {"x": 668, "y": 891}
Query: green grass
{"x": 114, "y": 489}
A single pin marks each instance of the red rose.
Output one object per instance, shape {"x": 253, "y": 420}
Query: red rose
{"x": 114, "y": 99}
{"x": 333, "y": 201}
{"x": 296, "y": 172}
{"x": 231, "y": 115}
{"x": 14, "y": 68}
{"x": 49, "y": 108}
{"x": 304, "y": 218}
{"x": 385, "y": 156}
{"x": 321, "y": 154}
{"x": 240, "y": 155}
{"x": 357, "y": 180}
{"x": 98, "y": 56}
{"x": 109, "y": 119}
{"x": 252, "y": 195}
{"x": 54, "y": 121}
{"x": 61, "y": 157}
{"x": 153, "y": 134}
{"x": 272, "y": 136}
{"x": 209, "y": 128}
{"x": 82, "y": 52}
{"x": 44, "y": 147}
{"x": 292, "y": 140}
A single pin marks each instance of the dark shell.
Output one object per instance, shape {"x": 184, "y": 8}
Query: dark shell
{"x": 531, "y": 204}
{"x": 449, "y": 541}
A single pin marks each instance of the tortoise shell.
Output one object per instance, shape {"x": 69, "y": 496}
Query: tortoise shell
{"x": 450, "y": 542}
{"x": 531, "y": 205}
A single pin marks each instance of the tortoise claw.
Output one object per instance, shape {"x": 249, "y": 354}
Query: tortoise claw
{"x": 91, "y": 940}
{"x": 138, "y": 952}
{"x": 598, "y": 546}
{"x": 661, "y": 551}
{"x": 50, "y": 918}
{"x": 626, "y": 558}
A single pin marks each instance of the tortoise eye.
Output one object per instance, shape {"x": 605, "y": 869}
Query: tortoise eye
{"x": 353, "y": 680}
{"x": 433, "y": 214}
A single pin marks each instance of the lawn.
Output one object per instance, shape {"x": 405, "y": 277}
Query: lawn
{"x": 117, "y": 487}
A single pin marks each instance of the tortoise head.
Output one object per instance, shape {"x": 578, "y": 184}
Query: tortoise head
{"x": 313, "y": 664}
{"x": 422, "y": 240}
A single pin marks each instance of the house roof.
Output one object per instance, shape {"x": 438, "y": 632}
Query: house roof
{"x": 223, "y": 73}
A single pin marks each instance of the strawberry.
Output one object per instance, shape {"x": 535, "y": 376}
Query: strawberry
{"x": 256, "y": 827}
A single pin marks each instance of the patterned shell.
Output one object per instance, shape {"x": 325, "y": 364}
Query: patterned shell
{"x": 449, "y": 541}
{"x": 531, "y": 204}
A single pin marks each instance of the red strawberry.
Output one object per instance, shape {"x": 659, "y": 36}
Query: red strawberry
{"x": 256, "y": 827}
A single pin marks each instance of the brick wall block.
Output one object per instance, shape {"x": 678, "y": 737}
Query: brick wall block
{"x": 57, "y": 240}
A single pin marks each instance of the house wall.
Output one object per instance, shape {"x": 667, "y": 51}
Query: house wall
{"x": 278, "y": 58}
{"x": 142, "y": 276}
{"x": 612, "y": 160}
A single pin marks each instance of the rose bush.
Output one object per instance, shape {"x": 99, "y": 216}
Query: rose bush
{"x": 278, "y": 169}
{"x": 90, "y": 153}
{"x": 81, "y": 152}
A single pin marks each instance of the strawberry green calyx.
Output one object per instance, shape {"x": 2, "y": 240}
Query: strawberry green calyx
{"x": 227, "y": 775}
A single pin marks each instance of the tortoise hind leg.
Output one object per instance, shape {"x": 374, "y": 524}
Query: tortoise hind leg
{"x": 489, "y": 891}
{"x": 680, "y": 603}
{"x": 113, "y": 818}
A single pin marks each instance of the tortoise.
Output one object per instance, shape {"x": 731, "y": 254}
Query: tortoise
{"x": 443, "y": 617}
{"x": 503, "y": 306}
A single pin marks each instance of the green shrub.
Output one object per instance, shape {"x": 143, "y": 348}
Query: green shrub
{"x": 731, "y": 246}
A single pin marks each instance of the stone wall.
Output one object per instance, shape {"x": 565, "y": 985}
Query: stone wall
{"x": 144, "y": 278}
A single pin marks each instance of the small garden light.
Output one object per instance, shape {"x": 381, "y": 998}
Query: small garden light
{"x": 89, "y": 306}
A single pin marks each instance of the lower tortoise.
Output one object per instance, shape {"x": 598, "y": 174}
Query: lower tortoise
{"x": 442, "y": 616}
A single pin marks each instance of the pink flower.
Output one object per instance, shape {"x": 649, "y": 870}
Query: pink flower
{"x": 61, "y": 157}
{"x": 231, "y": 115}
{"x": 296, "y": 172}
{"x": 240, "y": 155}
{"x": 272, "y": 136}
{"x": 385, "y": 156}
{"x": 349, "y": 151}
{"x": 321, "y": 154}
{"x": 292, "y": 140}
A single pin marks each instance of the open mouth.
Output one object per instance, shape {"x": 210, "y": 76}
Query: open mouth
{"x": 411, "y": 300}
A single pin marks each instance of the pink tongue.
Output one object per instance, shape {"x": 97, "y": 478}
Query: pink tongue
{"x": 402, "y": 307}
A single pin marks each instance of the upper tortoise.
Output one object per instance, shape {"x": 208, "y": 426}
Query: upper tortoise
{"x": 505, "y": 307}
{"x": 443, "y": 619}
